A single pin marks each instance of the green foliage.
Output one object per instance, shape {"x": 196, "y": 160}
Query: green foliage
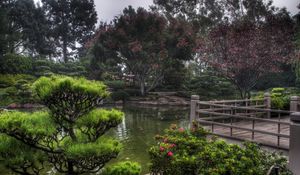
{"x": 42, "y": 67}
{"x": 20, "y": 157}
{"x": 37, "y": 124}
{"x": 132, "y": 92}
{"x": 68, "y": 136}
{"x": 7, "y": 80}
{"x": 116, "y": 84}
{"x": 16, "y": 89}
{"x": 123, "y": 168}
{"x": 70, "y": 22}
{"x": 48, "y": 86}
{"x": 129, "y": 40}
{"x": 69, "y": 69}
{"x": 182, "y": 152}
{"x": 208, "y": 84}
{"x": 119, "y": 95}
{"x": 280, "y": 97}
{"x": 15, "y": 64}
{"x": 100, "y": 148}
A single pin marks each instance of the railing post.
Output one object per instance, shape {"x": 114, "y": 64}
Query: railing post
{"x": 194, "y": 100}
{"x": 294, "y": 152}
{"x": 267, "y": 103}
{"x": 294, "y": 103}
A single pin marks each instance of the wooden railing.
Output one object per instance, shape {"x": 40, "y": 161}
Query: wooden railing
{"x": 213, "y": 113}
{"x": 243, "y": 116}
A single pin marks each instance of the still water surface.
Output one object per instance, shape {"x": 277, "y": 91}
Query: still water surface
{"x": 138, "y": 129}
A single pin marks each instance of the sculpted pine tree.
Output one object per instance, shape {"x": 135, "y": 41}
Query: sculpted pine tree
{"x": 67, "y": 136}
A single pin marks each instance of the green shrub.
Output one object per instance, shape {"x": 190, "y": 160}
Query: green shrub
{"x": 119, "y": 95}
{"x": 278, "y": 90}
{"x": 133, "y": 92}
{"x": 15, "y": 64}
{"x": 115, "y": 85}
{"x": 123, "y": 168}
{"x": 42, "y": 67}
{"x": 16, "y": 89}
{"x": 280, "y": 97}
{"x": 7, "y": 80}
{"x": 183, "y": 152}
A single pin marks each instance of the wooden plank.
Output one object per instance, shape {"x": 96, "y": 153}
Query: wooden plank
{"x": 246, "y": 108}
{"x": 243, "y": 128}
{"x": 259, "y": 137}
{"x": 236, "y": 101}
{"x": 239, "y": 117}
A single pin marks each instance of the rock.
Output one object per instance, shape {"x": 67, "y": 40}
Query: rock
{"x": 13, "y": 106}
{"x": 27, "y": 105}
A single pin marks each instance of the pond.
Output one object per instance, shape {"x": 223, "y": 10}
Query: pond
{"x": 141, "y": 124}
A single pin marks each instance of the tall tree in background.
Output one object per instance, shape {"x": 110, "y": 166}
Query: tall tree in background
{"x": 72, "y": 23}
{"x": 244, "y": 50}
{"x": 144, "y": 42}
{"x": 3, "y": 30}
{"x": 24, "y": 28}
{"x": 297, "y": 42}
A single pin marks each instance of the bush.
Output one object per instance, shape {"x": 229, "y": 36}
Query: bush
{"x": 116, "y": 84}
{"x": 7, "y": 80}
{"x": 183, "y": 152}
{"x": 42, "y": 67}
{"x": 133, "y": 92}
{"x": 15, "y": 64}
{"x": 16, "y": 89}
{"x": 123, "y": 168}
{"x": 119, "y": 95}
{"x": 280, "y": 97}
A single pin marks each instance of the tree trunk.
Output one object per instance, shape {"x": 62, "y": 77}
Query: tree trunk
{"x": 65, "y": 51}
{"x": 70, "y": 168}
{"x": 142, "y": 87}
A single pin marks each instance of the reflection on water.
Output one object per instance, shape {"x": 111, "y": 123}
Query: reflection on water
{"x": 141, "y": 124}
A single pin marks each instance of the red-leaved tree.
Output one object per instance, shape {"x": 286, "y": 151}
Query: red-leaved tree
{"x": 145, "y": 43}
{"x": 244, "y": 50}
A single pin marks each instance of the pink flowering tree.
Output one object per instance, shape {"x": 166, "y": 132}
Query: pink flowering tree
{"x": 145, "y": 43}
{"x": 243, "y": 51}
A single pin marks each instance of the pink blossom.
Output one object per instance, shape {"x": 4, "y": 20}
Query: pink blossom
{"x": 181, "y": 129}
{"x": 161, "y": 149}
{"x": 172, "y": 145}
{"x": 170, "y": 154}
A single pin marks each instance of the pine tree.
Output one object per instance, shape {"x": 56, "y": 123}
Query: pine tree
{"x": 68, "y": 135}
{"x": 72, "y": 22}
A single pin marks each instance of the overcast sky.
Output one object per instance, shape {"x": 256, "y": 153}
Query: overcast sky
{"x": 108, "y": 9}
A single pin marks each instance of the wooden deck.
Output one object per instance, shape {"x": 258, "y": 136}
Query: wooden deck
{"x": 264, "y": 139}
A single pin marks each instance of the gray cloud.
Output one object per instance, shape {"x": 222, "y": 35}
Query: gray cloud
{"x": 291, "y": 5}
{"x": 108, "y": 9}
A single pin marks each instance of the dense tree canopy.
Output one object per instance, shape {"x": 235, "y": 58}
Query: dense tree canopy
{"x": 244, "y": 50}
{"x": 72, "y": 22}
{"x": 144, "y": 42}
{"x": 23, "y": 30}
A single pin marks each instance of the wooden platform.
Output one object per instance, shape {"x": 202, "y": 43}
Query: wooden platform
{"x": 264, "y": 139}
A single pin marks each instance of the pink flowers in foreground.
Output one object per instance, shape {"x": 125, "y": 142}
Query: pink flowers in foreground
{"x": 181, "y": 129}
{"x": 161, "y": 149}
{"x": 170, "y": 154}
{"x": 166, "y": 148}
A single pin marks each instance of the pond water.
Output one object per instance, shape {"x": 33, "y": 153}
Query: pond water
{"x": 138, "y": 129}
